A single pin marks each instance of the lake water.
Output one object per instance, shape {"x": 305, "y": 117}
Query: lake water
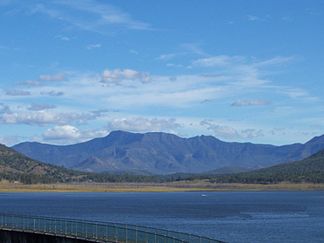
{"x": 229, "y": 216}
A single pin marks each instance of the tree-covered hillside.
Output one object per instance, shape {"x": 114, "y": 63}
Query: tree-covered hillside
{"x": 17, "y": 167}
{"x": 310, "y": 169}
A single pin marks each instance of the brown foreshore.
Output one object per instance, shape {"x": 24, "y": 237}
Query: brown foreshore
{"x": 182, "y": 186}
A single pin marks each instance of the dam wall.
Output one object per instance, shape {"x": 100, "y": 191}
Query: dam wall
{"x": 11, "y": 236}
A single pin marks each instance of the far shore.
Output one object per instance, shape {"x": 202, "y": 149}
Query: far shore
{"x": 182, "y": 186}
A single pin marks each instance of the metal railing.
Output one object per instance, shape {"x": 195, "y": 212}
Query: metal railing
{"x": 96, "y": 231}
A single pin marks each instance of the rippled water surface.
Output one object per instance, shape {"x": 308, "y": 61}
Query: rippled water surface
{"x": 230, "y": 216}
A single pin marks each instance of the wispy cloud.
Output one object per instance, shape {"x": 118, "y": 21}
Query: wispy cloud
{"x": 52, "y": 77}
{"x": 231, "y": 133}
{"x": 250, "y": 102}
{"x": 194, "y": 48}
{"x": 96, "y": 16}
{"x": 44, "y": 79}
{"x": 170, "y": 56}
{"x": 52, "y": 93}
{"x": 93, "y": 46}
{"x": 65, "y": 134}
{"x": 216, "y": 61}
{"x": 4, "y": 108}
{"x": 297, "y": 93}
{"x": 118, "y": 76}
{"x": 143, "y": 124}
{"x": 214, "y": 78}
{"x": 16, "y": 92}
{"x": 40, "y": 107}
{"x": 63, "y": 38}
{"x": 240, "y": 61}
{"x": 255, "y": 18}
{"x": 45, "y": 117}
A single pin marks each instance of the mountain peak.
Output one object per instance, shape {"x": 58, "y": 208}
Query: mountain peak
{"x": 316, "y": 140}
{"x": 123, "y": 137}
{"x": 119, "y": 133}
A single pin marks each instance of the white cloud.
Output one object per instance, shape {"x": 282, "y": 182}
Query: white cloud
{"x": 4, "y": 108}
{"x": 93, "y": 46}
{"x": 45, "y": 79}
{"x": 253, "y": 18}
{"x": 170, "y": 56}
{"x": 52, "y": 77}
{"x": 89, "y": 15}
{"x": 126, "y": 88}
{"x": 217, "y": 61}
{"x": 143, "y": 124}
{"x": 193, "y": 48}
{"x": 117, "y": 76}
{"x": 228, "y": 132}
{"x": 222, "y": 80}
{"x": 45, "y": 117}
{"x": 16, "y": 92}
{"x": 278, "y": 60}
{"x": 64, "y": 132}
{"x": 40, "y": 107}
{"x": 10, "y": 140}
{"x": 297, "y": 93}
{"x": 253, "y": 102}
{"x": 63, "y": 38}
{"x": 52, "y": 93}
{"x": 240, "y": 61}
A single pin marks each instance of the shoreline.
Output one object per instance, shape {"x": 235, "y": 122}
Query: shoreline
{"x": 158, "y": 187}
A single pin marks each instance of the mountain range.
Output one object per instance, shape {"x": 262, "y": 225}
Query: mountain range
{"x": 163, "y": 153}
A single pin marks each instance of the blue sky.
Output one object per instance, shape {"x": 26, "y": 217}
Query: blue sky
{"x": 238, "y": 70}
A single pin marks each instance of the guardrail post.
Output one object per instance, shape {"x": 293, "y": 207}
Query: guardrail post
{"x": 115, "y": 232}
{"x": 126, "y": 235}
{"x": 106, "y": 228}
{"x": 136, "y": 233}
{"x": 34, "y": 225}
{"x": 96, "y": 231}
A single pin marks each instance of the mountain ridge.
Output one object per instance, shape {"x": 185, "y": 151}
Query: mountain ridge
{"x": 308, "y": 170}
{"x": 164, "y": 153}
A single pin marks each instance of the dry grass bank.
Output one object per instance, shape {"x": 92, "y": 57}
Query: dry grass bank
{"x": 154, "y": 187}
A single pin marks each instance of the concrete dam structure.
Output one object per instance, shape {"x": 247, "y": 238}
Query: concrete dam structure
{"x": 38, "y": 229}
{"x": 11, "y": 236}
